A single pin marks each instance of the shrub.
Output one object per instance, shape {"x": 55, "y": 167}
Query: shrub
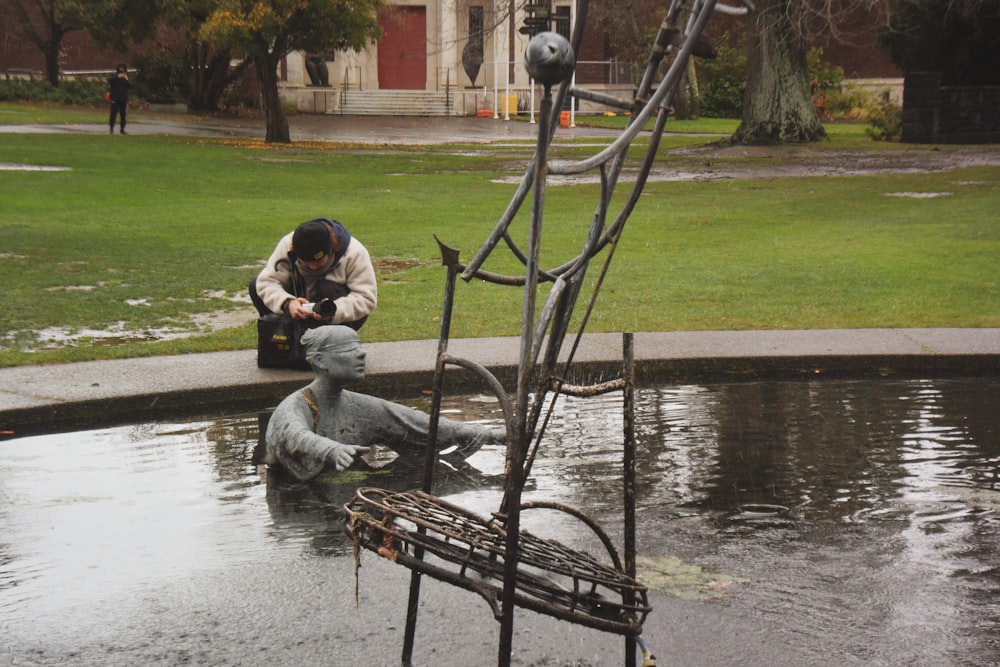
{"x": 851, "y": 102}
{"x": 12, "y": 90}
{"x": 160, "y": 78}
{"x": 823, "y": 75}
{"x": 886, "y": 120}
{"x": 241, "y": 93}
{"x": 723, "y": 80}
{"x": 69, "y": 91}
{"x": 79, "y": 91}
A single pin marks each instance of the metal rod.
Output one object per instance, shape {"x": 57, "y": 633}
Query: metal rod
{"x": 517, "y": 449}
{"x": 582, "y": 8}
{"x": 638, "y": 120}
{"x": 509, "y": 552}
{"x": 449, "y": 258}
{"x": 602, "y": 98}
{"x": 628, "y": 408}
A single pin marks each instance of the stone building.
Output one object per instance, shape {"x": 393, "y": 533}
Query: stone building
{"x": 445, "y": 57}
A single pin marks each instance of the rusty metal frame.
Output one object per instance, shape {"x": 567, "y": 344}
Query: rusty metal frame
{"x": 512, "y": 567}
{"x": 469, "y": 551}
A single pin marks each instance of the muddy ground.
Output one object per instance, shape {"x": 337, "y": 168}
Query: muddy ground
{"x": 708, "y": 161}
{"x": 713, "y": 162}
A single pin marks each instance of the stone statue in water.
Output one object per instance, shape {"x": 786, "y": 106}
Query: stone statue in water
{"x": 325, "y": 427}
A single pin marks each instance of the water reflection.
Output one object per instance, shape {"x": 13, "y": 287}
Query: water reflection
{"x": 313, "y": 511}
{"x": 861, "y": 519}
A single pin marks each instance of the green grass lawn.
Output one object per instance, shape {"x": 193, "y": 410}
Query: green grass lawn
{"x": 145, "y": 232}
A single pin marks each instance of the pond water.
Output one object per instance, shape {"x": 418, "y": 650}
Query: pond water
{"x": 827, "y": 522}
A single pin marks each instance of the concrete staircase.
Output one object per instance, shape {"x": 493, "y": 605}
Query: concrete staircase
{"x": 395, "y": 103}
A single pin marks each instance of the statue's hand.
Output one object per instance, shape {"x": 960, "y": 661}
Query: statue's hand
{"x": 342, "y": 456}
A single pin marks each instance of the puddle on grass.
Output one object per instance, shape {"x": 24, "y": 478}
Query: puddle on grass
{"x": 854, "y": 521}
{"x": 918, "y": 195}
{"x": 15, "y": 166}
{"x": 120, "y": 333}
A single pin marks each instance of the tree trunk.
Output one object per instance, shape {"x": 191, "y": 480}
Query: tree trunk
{"x": 52, "y": 43}
{"x": 47, "y": 37}
{"x": 52, "y": 50}
{"x": 777, "y": 105}
{"x": 211, "y": 74}
{"x": 687, "y": 98}
{"x": 274, "y": 116}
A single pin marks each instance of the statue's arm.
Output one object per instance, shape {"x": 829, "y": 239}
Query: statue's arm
{"x": 405, "y": 429}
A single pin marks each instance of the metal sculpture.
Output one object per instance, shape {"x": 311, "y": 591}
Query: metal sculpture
{"x": 492, "y": 556}
{"x": 472, "y": 58}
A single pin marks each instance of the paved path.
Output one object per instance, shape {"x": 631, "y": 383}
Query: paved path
{"x": 379, "y": 130}
{"x": 55, "y": 397}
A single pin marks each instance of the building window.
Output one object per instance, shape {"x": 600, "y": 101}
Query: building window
{"x": 476, "y": 24}
{"x": 562, "y": 23}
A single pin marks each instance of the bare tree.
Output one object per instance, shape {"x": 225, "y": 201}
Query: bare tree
{"x": 113, "y": 24}
{"x": 45, "y": 23}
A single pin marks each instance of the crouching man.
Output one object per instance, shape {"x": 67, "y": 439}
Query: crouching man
{"x": 325, "y": 427}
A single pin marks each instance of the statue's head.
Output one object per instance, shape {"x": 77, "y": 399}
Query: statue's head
{"x": 334, "y": 351}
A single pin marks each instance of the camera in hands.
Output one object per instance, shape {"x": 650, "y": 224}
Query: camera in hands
{"x": 325, "y": 308}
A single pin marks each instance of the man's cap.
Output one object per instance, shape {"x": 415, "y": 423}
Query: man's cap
{"x": 311, "y": 241}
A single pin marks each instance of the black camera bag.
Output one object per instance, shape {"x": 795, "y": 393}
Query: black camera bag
{"x": 279, "y": 342}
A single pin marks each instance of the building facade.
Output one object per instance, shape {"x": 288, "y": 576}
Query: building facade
{"x": 471, "y": 50}
{"x": 459, "y": 57}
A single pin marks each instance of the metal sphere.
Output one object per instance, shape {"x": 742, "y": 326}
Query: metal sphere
{"x": 549, "y": 58}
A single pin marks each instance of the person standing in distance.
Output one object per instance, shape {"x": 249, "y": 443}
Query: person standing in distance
{"x": 118, "y": 87}
{"x": 318, "y": 262}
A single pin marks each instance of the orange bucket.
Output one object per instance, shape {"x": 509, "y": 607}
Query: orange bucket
{"x": 564, "y": 119}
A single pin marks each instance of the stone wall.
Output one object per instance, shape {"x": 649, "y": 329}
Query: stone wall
{"x": 933, "y": 113}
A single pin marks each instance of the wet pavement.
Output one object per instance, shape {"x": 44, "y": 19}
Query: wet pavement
{"x": 373, "y": 130}
{"x": 93, "y": 393}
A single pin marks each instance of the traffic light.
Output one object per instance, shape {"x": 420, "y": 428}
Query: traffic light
{"x": 536, "y": 19}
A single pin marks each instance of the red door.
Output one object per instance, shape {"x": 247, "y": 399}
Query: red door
{"x": 402, "y": 51}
